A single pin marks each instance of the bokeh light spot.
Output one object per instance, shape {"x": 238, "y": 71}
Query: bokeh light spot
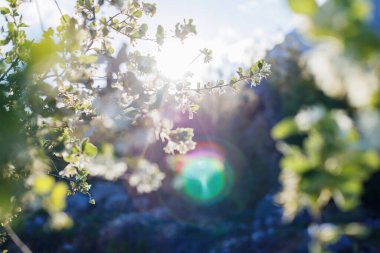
{"x": 204, "y": 178}
{"x": 204, "y": 174}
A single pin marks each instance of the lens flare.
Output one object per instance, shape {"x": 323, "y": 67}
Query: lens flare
{"x": 204, "y": 175}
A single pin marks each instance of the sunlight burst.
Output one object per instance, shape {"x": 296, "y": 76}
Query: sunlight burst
{"x": 176, "y": 59}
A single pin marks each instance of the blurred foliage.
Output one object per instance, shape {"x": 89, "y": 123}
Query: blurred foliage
{"x": 333, "y": 156}
{"x": 71, "y": 106}
{"x": 331, "y": 164}
{"x": 348, "y": 24}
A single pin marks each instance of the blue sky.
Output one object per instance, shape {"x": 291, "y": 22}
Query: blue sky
{"x": 242, "y": 16}
{"x": 238, "y": 31}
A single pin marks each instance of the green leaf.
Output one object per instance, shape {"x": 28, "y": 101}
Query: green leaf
{"x": 142, "y": 30}
{"x": 306, "y": 7}
{"x": 296, "y": 162}
{"x": 356, "y": 229}
{"x": 160, "y": 35}
{"x": 103, "y": 21}
{"x": 371, "y": 159}
{"x": 137, "y": 14}
{"x": 58, "y": 197}
{"x": 361, "y": 9}
{"x": 90, "y": 149}
{"x": 65, "y": 18}
{"x": 240, "y": 72}
{"x": 43, "y": 184}
{"x": 75, "y": 149}
{"x": 257, "y": 66}
{"x": 194, "y": 107}
{"x": 284, "y": 129}
{"x": 4, "y": 10}
{"x": 345, "y": 201}
{"x": 233, "y": 80}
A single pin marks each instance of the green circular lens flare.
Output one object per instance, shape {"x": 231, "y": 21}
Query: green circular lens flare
{"x": 204, "y": 178}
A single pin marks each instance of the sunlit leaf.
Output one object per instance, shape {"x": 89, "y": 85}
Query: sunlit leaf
{"x": 90, "y": 149}
{"x": 137, "y": 14}
{"x": 160, "y": 35}
{"x": 43, "y": 184}
{"x": 143, "y": 29}
{"x": 4, "y": 10}
{"x": 58, "y": 197}
{"x": 285, "y": 128}
{"x": 307, "y": 7}
{"x": 372, "y": 159}
{"x": 356, "y": 229}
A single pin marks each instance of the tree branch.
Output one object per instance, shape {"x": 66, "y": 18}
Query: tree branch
{"x": 60, "y": 11}
{"x": 218, "y": 86}
{"x": 9, "y": 69}
{"x": 19, "y": 243}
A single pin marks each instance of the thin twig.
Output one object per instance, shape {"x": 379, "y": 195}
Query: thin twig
{"x": 196, "y": 58}
{"x": 19, "y": 243}
{"x": 114, "y": 16}
{"x": 39, "y": 15}
{"x": 9, "y": 69}
{"x": 142, "y": 38}
{"x": 61, "y": 177}
{"x": 60, "y": 11}
{"x": 218, "y": 86}
{"x": 131, "y": 37}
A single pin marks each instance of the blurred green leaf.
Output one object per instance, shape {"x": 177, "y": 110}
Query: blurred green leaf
{"x": 43, "y": 185}
{"x": 4, "y": 10}
{"x": 58, "y": 197}
{"x": 137, "y": 14}
{"x": 285, "y": 128}
{"x": 307, "y": 7}
{"x": 160, "y": 35}
{"x": 90, "y": 149}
